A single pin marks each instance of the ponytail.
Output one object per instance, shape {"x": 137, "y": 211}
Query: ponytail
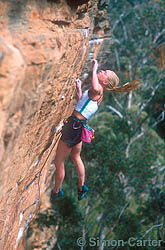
{"x": 124, "y": 88}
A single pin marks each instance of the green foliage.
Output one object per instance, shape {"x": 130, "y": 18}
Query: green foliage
{"x": 68, "y": 210}
{"x": 129, "y": 225}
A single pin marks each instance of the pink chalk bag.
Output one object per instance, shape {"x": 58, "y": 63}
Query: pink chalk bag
{"x": 87, "y": 133}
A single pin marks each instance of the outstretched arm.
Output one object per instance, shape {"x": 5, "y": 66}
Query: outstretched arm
{"x": 79, "y": 90}
{"x": 95, "y": 82}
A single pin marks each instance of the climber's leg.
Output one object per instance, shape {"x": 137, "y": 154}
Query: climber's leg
{"x": 76, "y": 158}
{"x": 62, "y": 152}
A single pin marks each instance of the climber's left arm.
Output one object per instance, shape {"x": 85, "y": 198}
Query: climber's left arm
{"x": 79, "y": 89}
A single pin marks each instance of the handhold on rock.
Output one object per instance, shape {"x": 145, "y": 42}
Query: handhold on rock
{"x": 1, "y": 55}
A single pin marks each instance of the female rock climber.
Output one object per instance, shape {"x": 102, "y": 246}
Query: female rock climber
{"x": 87, "y": 105}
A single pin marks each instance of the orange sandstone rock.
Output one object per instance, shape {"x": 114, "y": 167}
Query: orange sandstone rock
{"x": 43, "y": 47}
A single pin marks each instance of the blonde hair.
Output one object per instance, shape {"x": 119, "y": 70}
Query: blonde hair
{"x": 113, "y": 81}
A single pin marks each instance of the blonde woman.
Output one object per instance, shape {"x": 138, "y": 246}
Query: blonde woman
{"x": 87, "y": 105}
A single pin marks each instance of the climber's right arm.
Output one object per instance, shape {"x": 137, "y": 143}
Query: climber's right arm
{"x": 95, "y": 82}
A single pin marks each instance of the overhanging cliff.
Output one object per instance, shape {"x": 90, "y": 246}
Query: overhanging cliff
{"x": 43, "y": 47}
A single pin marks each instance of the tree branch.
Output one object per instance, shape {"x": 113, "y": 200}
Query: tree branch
{"x": 131, "y": 142}
{"x": 149, "y": 100}
{"x": 129, "y": 99}
{"x": 115, "y": 110}
{"x": 160, "y": 118}
{"x": 124, "y": 29}
{"x": 117, "y": 102}
{"x": 159, "y": 225}
{"x": 122, "y": 211}
{"x": 102, "y": 237}
{"x": 116, "y": 23}
{"x": 158, "y": 35}
{"x": 117, "y": 59}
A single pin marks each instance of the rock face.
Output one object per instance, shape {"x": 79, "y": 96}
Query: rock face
{"x": 43, "y": 47}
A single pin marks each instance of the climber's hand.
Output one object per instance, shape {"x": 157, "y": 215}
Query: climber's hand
{"x": 94, "y": 65}
{"x": 78, "y": 83}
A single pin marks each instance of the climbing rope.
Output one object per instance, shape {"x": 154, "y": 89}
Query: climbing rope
{"x": 39, "y": 173}
{"x": 38, "y": 201}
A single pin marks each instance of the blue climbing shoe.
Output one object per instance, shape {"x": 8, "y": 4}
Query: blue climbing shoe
{"x": 82, "y": 193}
{"x": 54, "y": 195}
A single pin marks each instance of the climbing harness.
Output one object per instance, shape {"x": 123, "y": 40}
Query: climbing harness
{"x": 87, "y": 133}
{"x": 78, "y": 123}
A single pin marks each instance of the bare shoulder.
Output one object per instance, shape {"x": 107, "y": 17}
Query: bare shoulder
{"x": 95, "y": 95}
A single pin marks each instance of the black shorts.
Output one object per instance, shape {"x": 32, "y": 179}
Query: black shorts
{"x": 71, "y": 131}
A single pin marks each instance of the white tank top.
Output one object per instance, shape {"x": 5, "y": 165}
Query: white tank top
{"x": 86, "y": 106}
